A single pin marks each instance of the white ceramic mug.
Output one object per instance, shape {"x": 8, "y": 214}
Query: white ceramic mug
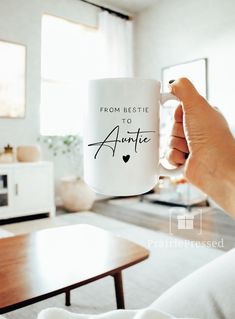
{"x": 121, "y": 141}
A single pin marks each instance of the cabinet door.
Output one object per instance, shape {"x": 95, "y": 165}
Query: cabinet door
{"x": 33, "y": 187}
{"x": 5, "y": 189}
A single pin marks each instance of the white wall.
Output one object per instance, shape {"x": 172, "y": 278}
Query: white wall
{"x": 175, "y": 31}
{"x": 20, "y": 21}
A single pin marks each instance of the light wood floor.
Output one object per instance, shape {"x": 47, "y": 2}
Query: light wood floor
{"x": 216, "y": 225}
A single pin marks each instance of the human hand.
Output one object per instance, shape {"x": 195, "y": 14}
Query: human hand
{"x": 200, "y": 138}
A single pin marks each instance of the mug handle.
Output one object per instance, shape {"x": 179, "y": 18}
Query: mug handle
{"x": 163, "y": 170}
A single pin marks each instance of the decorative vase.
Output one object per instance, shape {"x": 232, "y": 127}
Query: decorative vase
{"x": 76, "y": 195}
{"x": 28, "y": 153}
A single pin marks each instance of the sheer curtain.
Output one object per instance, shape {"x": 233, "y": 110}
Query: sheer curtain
{"x": 116, "y": 46}
{"x": 72, "y": 54}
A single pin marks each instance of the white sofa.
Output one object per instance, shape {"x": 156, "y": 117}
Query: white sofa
{"x": 207, "y": 293}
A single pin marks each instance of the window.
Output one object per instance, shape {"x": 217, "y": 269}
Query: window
{"x": 70, "y": 56}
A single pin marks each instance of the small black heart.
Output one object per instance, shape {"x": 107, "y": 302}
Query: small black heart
{"x": 126, "y": 158}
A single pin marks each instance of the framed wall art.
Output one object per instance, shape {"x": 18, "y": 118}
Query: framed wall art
{"x": 12, "y": 80}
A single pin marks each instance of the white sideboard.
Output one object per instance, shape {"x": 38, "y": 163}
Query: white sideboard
{"x": 26, "y": 189}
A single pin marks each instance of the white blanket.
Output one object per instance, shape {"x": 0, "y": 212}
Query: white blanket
{"x": 148, "y": 313}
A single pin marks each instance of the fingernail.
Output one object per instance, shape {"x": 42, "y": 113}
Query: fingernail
{"x": 171, "y": 81}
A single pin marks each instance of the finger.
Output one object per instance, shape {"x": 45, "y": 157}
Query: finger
{"x": 178, "y": 115}
{"x": 178, "y": 130}
{"x": 179, "y": 144}
{"x": 176, "y": 157}
{"x": 185, "y": 92}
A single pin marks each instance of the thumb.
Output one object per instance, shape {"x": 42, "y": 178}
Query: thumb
{"x": 185, "y": 91}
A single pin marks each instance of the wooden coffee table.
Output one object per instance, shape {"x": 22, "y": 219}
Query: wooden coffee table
{"x": 40, "y": 265}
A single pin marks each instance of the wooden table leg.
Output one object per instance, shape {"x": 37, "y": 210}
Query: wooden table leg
{"x": 119, "y": 290}
{"x": 67, "y": 298}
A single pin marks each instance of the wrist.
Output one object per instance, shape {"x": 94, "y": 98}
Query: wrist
{"x": 221, "y": 185}
{"x": 226, "y": 167}
{"x": 214, "y": 174}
